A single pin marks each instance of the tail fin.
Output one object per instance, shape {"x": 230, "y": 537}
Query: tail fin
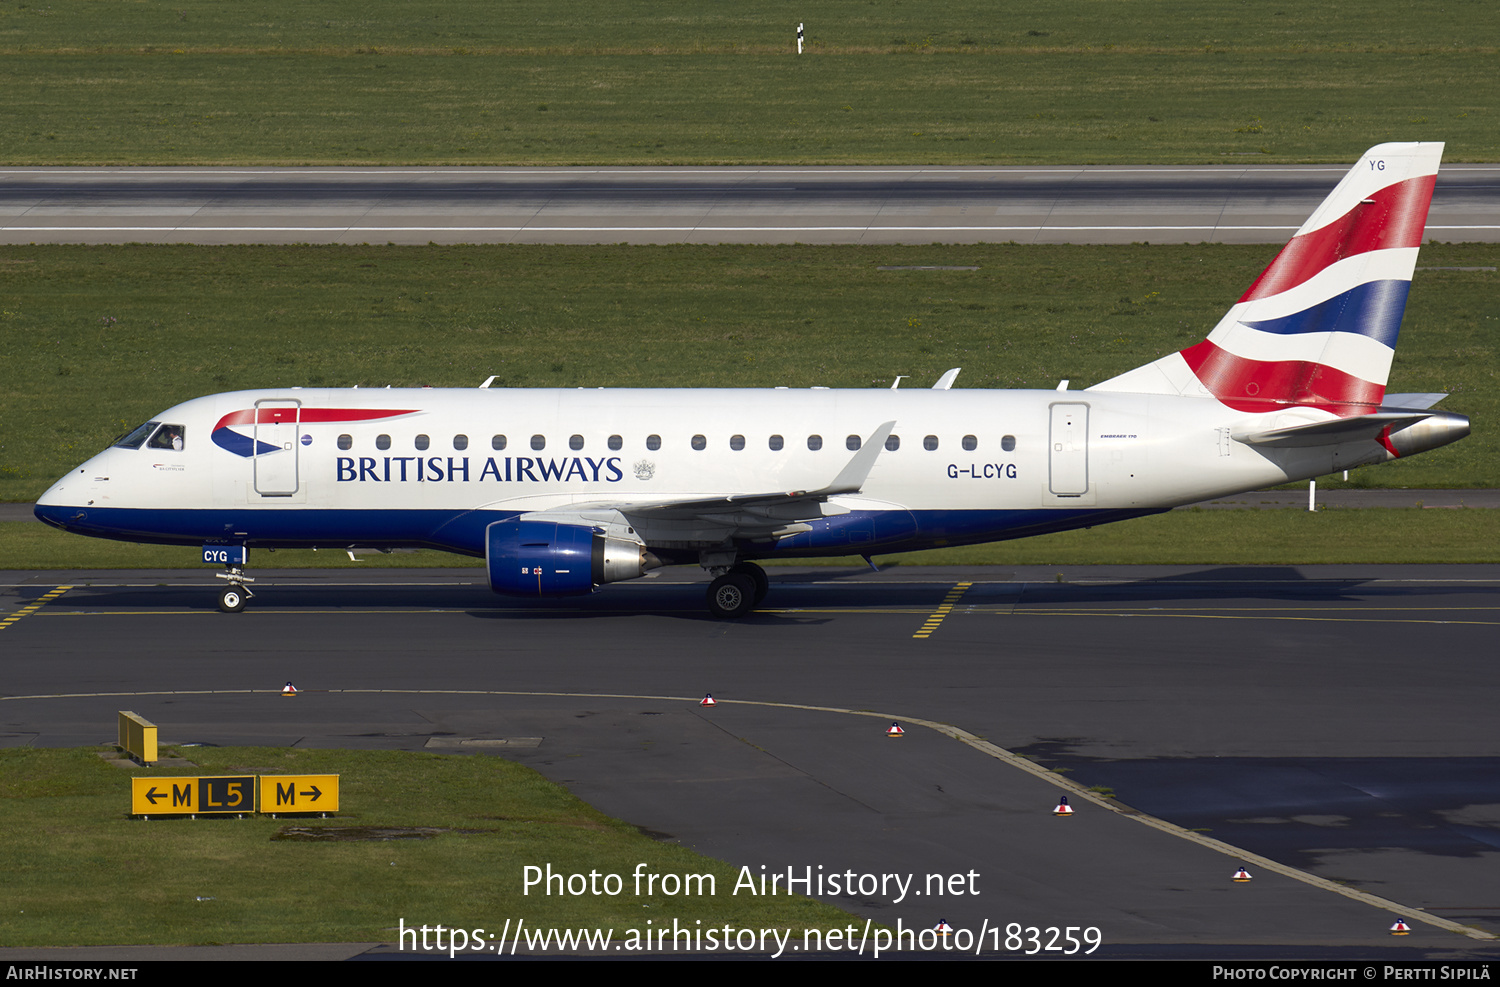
{"x": 1318, "y": 327}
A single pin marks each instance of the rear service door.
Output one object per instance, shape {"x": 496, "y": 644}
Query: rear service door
{"x": 1068, "y": 458}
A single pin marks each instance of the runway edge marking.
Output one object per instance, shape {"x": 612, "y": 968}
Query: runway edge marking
{"x": 955, "y": 733}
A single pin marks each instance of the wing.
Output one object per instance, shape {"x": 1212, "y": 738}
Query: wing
{"x": 706, "y": 521}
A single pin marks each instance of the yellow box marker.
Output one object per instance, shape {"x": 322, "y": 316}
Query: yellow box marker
{"x": 137, "y": 737}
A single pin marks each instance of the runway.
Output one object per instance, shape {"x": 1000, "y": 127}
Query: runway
{"x": 852, "y": 205}
{"x": 1331, "y": 727}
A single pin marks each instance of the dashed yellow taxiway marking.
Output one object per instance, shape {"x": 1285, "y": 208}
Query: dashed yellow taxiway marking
{"x": 27, "y": 611}
{"x": 945, "y": 608}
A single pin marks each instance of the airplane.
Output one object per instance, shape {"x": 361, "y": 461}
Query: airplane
{"x": 562, "y": 491}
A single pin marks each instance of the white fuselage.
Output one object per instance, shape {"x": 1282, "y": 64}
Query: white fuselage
{"x": 433, "y": 466}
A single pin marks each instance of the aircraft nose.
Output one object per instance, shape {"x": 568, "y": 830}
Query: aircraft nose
{"x": 66, "y": 499}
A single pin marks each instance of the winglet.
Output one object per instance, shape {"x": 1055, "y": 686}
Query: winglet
{"x": 853, "y": 475}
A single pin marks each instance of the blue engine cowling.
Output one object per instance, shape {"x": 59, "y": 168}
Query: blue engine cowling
{"x": 549, "y": 558}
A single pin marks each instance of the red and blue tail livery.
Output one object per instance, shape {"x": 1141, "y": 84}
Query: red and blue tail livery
{"x": 561, "y": 491}
{"x": 1318, "y": 327}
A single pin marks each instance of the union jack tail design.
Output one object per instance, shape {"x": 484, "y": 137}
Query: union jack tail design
{"x": 1318, "y": 327}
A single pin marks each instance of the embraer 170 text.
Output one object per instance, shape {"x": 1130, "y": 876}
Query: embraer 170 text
{"x": 561, "y": 491}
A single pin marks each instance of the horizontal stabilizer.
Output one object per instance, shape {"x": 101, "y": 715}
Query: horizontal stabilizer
{"x": 1333, "y": 432}
{"x": 1411, "y": 400}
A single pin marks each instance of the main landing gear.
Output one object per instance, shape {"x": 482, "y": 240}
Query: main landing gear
{"x": 232, "y": 598}
{"x": 738, "y": 591}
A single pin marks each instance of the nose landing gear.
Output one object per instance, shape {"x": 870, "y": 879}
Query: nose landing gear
{"x": 232, "y": 598}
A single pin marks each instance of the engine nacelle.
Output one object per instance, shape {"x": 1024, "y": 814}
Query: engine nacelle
{"x": 548, "y": 558}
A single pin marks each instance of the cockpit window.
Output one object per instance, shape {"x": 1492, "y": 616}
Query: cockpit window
{"x": 137, "y": 436}
{"x": 168, "y": 437}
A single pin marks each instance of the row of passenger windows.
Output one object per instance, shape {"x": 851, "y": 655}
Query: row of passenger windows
{"x": 699, "y": 442}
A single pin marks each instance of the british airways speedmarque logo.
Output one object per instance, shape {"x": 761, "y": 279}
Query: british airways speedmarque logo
{"x": 240, "y": 444}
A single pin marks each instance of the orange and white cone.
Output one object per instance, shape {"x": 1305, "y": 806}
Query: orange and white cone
{"x": 895, "y": 730}
{"x": 1063, "y": 808}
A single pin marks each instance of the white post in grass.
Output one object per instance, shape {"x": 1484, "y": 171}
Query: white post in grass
{"x": 799, "y": 39}
{"x": 1312, "y": 493}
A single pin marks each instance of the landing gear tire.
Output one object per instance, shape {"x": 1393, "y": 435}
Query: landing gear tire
{"x": 731, "y": 595}
{"x": 756, "y": 573}
{"x": 232, "y": 599}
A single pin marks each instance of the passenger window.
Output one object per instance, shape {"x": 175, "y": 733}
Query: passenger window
{"x": 815, "y": 442}
{"x": 423, "y": 442}
{"x": 1008, "y": 443}
{"x": 538, "y": 442}
{"x": 776, "y": 443}
{"x": 460, "y": 442}
{"x": 852, "y": 443}
{"x": 575, "y": 443}
{"x": 137, "y": 436}
{"x": 653, "y": 442}
{"x": 382, "y": 441}
{"x": 168, "y": 437}
{"x": 699, "y": 442}
{"x": 497, "y": 443}
{"x": 346, "y": 442}
{"x": 970, "y": 443}
{"x": 892, "y": 443}
{"x": 736, "y": 442}
{"x": 615, "y": 442}
{"x": 930, "y": 443}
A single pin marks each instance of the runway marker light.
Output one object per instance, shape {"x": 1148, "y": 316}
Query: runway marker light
{"x": 288, "y": 690}
{"x": 1241, "y": 875}
{"x": 707, "y": 700}
{"x": 895, "y": 730}
{"x": 1063, "y": 808}
{"x": 1400, "y": 928}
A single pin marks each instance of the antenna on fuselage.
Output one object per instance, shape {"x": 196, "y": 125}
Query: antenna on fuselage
{"x": 946, "y": 381}
{"x": 897, "y": 382}
{"x": 488, "y": 381}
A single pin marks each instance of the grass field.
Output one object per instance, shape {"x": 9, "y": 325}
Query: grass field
{"x": 637, "y": 82}
{"x": 79, "y": 871}
{"x": 95, "y": 340}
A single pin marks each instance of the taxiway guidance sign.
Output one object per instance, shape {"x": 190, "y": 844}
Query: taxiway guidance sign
{"x": 299, "y": 793}
{"x": 222, "y": 794}
{"x": 234, "y": 795}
